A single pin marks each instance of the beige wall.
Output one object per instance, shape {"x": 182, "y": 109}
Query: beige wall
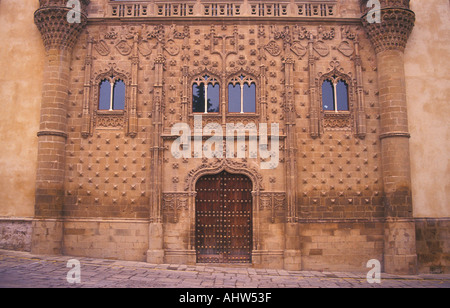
{"x": 427, "y": 69}
{"x": 21, "y": 62}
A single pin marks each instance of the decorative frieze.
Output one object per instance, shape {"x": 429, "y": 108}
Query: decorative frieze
{"x": 337, "y": 121}
{"x": 207, "y": 8}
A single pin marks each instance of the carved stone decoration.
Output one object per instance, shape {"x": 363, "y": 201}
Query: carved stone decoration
{"x": 172, "y": 48}
{"x": 393, "y": 31}
{"x": 273, "y": 201}
{"x": 273, "y": 49}
{"x": 220, "y": 164}
{"x": 123, "y": 48}
{"x": 347, "y": 34}
{"x": 301, "y": 33}
{"x": 109, "y": 121}
{"x": 298, "y": 49}
{"x": 102, "y": 48}
{"x": 346, "y": 48}
{"x": 111, "y": 35}
{"x": 145, "y": 48}
{"x": 326, "y": 35}
{"x": 337, "y": 121}
{"x": 321, "y": 48}
{"x": 174, "y": 202}
{"x": 56, "y": 32}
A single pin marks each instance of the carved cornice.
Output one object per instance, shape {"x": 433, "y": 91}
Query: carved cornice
{"x": 52, "y": 22}
{"x": 393, "y": 31}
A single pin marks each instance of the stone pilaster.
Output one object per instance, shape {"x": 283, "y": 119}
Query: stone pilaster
{"x": 155, "y": 253}
{"x": 59, "y": 38}
{"x": 389, "y": 38}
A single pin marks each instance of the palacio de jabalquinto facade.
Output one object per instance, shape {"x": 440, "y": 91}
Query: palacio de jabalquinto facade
{"x": 117, "y": 81}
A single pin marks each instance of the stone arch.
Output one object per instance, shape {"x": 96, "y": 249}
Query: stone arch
{"x": 228, "y": 165}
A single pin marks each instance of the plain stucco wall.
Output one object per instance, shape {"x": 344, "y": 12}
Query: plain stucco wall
{"x": 427, "y": 70}
{"x": 21, "y": 62}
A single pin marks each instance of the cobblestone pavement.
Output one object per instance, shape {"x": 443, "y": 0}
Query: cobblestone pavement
{"x": 24, "y": 270}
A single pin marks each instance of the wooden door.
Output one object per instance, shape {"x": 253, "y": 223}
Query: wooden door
{"x": 224, "y": 218}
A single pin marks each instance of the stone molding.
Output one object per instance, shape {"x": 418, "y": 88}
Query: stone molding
{"x": 217, "y": 9}
{"x": 219, "y": 165}
{"x": 52, "y": 133}
{"x": 395, "y": 134}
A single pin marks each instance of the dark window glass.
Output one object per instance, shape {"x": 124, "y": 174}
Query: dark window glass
{"x": 327, "y": 95}
{"x": 119, "y": 95}
{"x": 198, "y": 98}
{"x": 234, "y": 98}
{"x": 342, "y": 95}
{"x": 213, "y": 98}
{"x": 104, "y": 95}
{"x": 250, "y": 98}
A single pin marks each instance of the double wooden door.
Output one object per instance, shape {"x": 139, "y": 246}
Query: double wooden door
{"x": 224, "y": 218}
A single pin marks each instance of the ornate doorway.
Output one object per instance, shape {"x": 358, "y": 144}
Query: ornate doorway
{"x": 223, "y": 227}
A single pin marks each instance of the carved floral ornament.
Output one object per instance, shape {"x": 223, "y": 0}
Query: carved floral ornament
{"x": 111, "y": 70}
{"x": 175, "y": 202}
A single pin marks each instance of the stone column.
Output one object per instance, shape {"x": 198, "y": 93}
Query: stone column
{"x": 59, "y": 38}
{"x": 389, "y": 37}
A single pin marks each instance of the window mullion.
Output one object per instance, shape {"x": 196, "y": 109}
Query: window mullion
{"x": 242, "y": 98}
{"x": 206, "y": 97}
{"x": 335, "y": 96}
{"x": 111, "y": 100}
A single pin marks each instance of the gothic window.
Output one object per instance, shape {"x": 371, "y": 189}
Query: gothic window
{"x": 242, "y": 95}
{"x": 335, "y": 94}
{"x": 112, "y": 94}
{"x": 205, "y": 95}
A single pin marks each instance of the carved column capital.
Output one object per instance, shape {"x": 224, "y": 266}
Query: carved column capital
{"x": 385, "y": 4}
{"x": 52, "y": 22}
{"x": 397, "y": 22}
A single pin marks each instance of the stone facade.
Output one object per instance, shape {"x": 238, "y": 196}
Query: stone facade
{"x": 108, "y": 185}
{"x": 432, "y": 243}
